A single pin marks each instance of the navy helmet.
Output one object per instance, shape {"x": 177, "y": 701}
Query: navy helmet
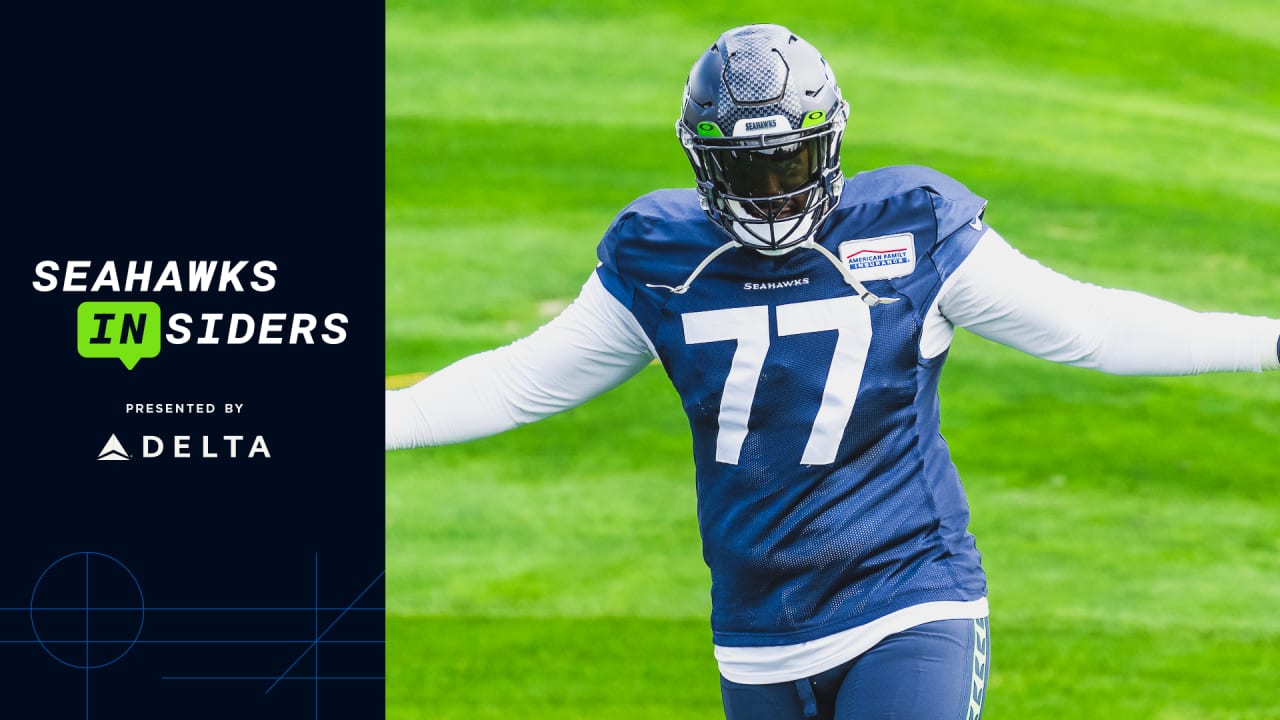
{"x": 762, "y": 122}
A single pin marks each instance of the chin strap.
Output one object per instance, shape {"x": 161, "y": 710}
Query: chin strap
{"x": 866, "y": 295}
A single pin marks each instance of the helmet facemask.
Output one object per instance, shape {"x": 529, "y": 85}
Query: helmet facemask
{"x": 769, "y": 192}
{"x": 761, "y": 123}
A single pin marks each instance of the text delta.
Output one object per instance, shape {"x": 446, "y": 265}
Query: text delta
{"x": 180, "y": 446}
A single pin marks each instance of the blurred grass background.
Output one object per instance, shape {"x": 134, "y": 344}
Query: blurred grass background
{"x": 1130, "y": 526}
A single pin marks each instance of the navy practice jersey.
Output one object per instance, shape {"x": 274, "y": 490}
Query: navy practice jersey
{"x": 826, "y": 493}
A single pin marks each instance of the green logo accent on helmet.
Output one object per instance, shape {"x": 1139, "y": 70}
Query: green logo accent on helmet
{"x": 817, "y": 117}
{"x": 709, "y": 129}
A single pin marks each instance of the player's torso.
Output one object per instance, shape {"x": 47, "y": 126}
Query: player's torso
{"x": 814, "y": 423}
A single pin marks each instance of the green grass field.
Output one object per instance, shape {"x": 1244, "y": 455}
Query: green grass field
{"x": 1130, "y": 526}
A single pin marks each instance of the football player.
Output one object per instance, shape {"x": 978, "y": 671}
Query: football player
{"x": 804, "y": 317}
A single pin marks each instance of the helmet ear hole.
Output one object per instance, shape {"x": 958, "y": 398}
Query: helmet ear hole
{"x": 758, "y": 94}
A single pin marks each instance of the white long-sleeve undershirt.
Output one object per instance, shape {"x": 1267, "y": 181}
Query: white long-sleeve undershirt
{"x": 997, "y": 293}
{"x": 592, "y": 346}
{"x": 1000, "y": 294}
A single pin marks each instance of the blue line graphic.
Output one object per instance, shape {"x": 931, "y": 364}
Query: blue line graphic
{"x": 53, "y": 582}
{"x": 315, "y": 629}
{"x": 272, "y": 678}
{"x": 307, "y": 609}
{"x": 63, "y": 589}
{"x": 86, "y": 636}
{"x": 307, "y": 641}
{"x": 326, "y": 630}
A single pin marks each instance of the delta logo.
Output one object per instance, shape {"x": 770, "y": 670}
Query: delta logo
{"x": 188, "y": 447}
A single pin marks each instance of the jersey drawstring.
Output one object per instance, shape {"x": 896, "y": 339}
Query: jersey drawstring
{"x": 866, "y": 295}
{"x": 683, "y": 287}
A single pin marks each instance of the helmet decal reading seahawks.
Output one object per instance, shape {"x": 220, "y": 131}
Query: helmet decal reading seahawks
{"x": 762, "y": 123}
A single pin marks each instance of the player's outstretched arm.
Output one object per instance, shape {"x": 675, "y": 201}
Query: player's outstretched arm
{"x": 591, "y": 347}
{"x": 1004, "y": 296}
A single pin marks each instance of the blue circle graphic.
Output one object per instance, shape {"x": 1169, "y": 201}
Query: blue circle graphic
{"x": 87, "y": 610}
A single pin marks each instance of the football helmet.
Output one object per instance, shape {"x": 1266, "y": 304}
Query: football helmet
{"x": 761, "y": 124}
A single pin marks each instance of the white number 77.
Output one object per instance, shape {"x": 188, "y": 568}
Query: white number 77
{"x": 848, "y": 316}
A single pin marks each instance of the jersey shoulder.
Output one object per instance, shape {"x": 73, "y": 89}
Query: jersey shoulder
{"x": 660, "y": 233}
{"x": 897, "y": 179}
{"x": 667, "y": 204}
{"x": 954, "y": 205}
{"x": 660, "y": 217}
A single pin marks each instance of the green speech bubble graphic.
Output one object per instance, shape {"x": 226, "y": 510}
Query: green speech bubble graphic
{"x": 129, "y": 331}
